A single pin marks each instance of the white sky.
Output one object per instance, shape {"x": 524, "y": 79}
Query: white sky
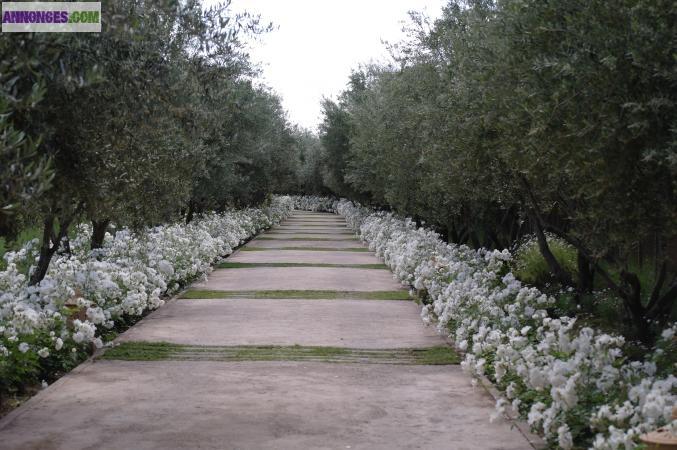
{"x": 317, "y": 42}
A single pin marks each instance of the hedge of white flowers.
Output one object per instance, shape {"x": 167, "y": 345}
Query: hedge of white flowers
{"x": 572, "y": 383}
{"x": 314, "y": 203}
{"x": 88, "y": 292}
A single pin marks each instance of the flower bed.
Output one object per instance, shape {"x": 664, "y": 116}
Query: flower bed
{"x": 571, "y": 383}
{"x": 314, "y": 203}
{"x": 49, "y": 327}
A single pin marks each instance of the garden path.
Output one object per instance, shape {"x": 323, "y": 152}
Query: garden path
{"x": 301, "y": 340}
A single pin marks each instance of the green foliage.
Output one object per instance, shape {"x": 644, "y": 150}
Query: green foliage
{"x": 157, "y": 117}
{"x": 23, "y": 236}
{"x": 530, "y": 266}
{"x": 312, "y": 158}
{"x": 503, "y": 119}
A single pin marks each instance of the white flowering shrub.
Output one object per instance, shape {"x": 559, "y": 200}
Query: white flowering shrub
{"x": 314, "y": 203}
{"x": 48, "y": 327}
{"x": 572, "y": 383}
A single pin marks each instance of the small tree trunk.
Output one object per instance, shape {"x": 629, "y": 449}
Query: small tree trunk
{"x": 99, "y": 228}
{"x": 474, "y": 240}
{"x": 493, "y": 237}
{"x": 452, "y": 233}
{"x": 67, "y": 246}
{"x": 8, "y": 227}
{"x": 50, "y": 244}
{"x": 555, "y": 267}
{"x": 46, "y": 251}
{"x": 633, "y": 302}
{"x": 190, "y": 213}
{"x": 585, "y": 274}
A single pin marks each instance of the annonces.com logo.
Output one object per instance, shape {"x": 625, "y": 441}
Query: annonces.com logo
{"x": 51, "y": 17}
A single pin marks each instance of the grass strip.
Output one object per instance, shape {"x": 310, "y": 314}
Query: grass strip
{"x": 308, "y": 231}
{"x": 278, "y": 231}
{"x": 235, "y": 265}
{"x": 319, "y": 249}
{"x": 321, "y": 225}
{"x": 163, "y": 351}
{"x": 284, "y": 238}
{"x": 297, "y": 294}
{"x": 314, "y": 222}
{"x": 310, "y": 219}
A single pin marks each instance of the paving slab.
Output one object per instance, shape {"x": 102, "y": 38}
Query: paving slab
{"x": 320, "y": 218}
{"x": 369, "y": 324}
{"x": 314, "y": 222}
{"x": 304, "y": 256}
{"x": 315, "y": 217}
{"x": 302, "y": 228}
{"x": 170, "y": 405}
{"x": 314, "y": 233}
{"x": 310, "y": 237}
{"x": 299, "y": 278}
{"x": 281, "y": 243}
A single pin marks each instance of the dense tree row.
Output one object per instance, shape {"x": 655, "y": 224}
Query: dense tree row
{"x": 158, "y": 116}
{"x": 507, "y": 118}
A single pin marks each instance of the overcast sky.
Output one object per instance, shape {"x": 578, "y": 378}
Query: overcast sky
{"x": 317, "y": 42}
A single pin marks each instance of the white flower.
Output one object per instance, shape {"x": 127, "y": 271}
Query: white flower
{"x": 564, "y": 438}
{"x": 43, "y": 352}
{"x": 463, "y": 345}
{"x": 23, "y": 347}
{"x": 166, "y": 268}
{"x": 58, "y": 344}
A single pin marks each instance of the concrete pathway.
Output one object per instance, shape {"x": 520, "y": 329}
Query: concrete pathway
{"x": 327, "y": 361}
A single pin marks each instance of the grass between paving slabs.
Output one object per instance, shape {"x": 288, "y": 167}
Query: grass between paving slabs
{"x": 297, "y": 294}
{"x": 320, "y": 233}
{"x": 318, "y": 249}
{"x": 320, "y": 225}
{"x": 235, "y": 265}
{"x": 306, "y": 220}
{"x": 285, "y": 238}
{"x": 162, "y": 351}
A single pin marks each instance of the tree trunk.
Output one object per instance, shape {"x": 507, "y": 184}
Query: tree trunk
{"x": 50, "y": 244}
{"x": 586, "y": 274}
{"x": 46, "y": 251}
{"x": 629, "y": 290}
{"x": 633, "y": 302}
{"x": 538, "y": 222}
{"x": 555, "y": 267}
{"x": 190, "y": 213}
{"x": 493, "y": 237}
{"x": 67, "y": 246}
{"x": 452, "y": 233}
{"x": 8, "y": 227}
{"x": 99, "y": 228}
{"x": 474, "y": 240}
{"x": 660, "y": 306}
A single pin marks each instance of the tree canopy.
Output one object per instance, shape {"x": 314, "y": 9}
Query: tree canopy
{"x": 507, "y": 118}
